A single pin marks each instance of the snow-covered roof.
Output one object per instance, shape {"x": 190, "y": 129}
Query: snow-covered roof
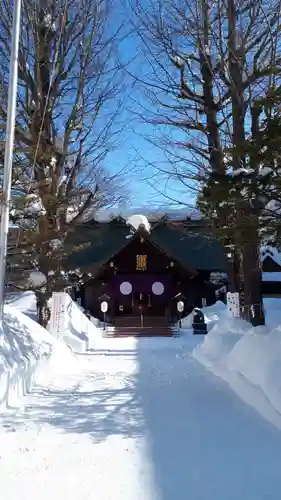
{"x": 271, "y": 276}
{"x": 271, "y": 252}
{"x": 150, "y": 214}
{"x": 138, "y": 220}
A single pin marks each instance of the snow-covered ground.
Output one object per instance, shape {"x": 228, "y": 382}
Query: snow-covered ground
{"x": 142, "y": 419}
{"x": 139, "y": 420}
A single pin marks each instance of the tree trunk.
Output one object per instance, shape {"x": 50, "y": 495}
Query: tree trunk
{"x": 233, "y": 272}
{"x": 214, "y": 138}
{"x": 247, "y": 238}
{"x": 43, "y": 310}
{"x": 253, "y": 304}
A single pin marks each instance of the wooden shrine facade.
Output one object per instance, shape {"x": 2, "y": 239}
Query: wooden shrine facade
{"x": 144, "y": 273}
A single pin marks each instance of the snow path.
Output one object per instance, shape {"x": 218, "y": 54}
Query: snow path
{"x": 138, "y": 423}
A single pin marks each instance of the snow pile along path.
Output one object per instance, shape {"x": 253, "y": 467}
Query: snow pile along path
{"x": 24, "y": 302}
{"x": 26, "y": 348}
{"x": 248, "y": 358}
{"x": 138, "y": 421}
{"x": 212, "y": 315}
{"x": 78, "y": 331}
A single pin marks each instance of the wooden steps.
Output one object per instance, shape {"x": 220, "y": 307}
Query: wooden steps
{"x": 130, "y": 326}
{"x": 127, "y": 321}
{"x": 144, "y": 332}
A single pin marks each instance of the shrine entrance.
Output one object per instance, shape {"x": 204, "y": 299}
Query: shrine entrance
{"x": 149, "y": 304}
{"x": 140, "y": 303}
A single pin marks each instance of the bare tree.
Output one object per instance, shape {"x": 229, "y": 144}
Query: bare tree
{"x": 210, "y": 65}
{"x": 69, "y": 94}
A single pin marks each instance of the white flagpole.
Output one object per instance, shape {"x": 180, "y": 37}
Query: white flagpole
{"x": 9, "y": 147}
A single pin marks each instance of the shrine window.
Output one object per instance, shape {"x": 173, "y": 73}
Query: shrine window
{"x": 141, "y": 264}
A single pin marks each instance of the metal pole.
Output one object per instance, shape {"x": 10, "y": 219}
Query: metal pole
{"x": 9, "y": 147}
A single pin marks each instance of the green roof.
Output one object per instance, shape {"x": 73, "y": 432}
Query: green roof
{"x": 193, "y": 247}
{"x": 96, "y": 243}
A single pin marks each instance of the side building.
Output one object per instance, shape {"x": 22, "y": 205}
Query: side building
{"x": 271, "y": 271}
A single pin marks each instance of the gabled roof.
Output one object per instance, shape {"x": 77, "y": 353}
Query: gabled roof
{"x": 193, "y": 247}
{"x": 101, "y": 240}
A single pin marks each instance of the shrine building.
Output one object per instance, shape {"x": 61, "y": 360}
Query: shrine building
{"x": 142, "y": 269}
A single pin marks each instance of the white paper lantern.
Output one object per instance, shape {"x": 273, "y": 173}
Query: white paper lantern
{"x": 126, "y": 288}
{"x": 104, "y": 306}
{"x": 158, "y": 288}
{"x": 180, "y": 306}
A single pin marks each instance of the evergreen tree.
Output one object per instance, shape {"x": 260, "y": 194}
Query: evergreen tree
{"x": 210, "y": 66}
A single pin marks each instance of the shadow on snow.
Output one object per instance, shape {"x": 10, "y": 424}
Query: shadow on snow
{"x": 99, "y": 413}
{"x": 205, "y": 444}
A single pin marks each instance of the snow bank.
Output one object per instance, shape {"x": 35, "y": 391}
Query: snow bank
{"x": 24, "y": 302}
{"x": 93, "y": 320}
{"x": 221, "y": 338}
{"x": 211, "y": 314}
{"x": 238, "y": 353}
{"x": 80, "y": 333}
{"x": 26, "y": 348}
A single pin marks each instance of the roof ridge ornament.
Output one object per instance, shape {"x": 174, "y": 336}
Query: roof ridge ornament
{"x": 139, "y": 221}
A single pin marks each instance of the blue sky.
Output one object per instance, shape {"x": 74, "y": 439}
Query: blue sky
{"x": 147, "y": 186}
